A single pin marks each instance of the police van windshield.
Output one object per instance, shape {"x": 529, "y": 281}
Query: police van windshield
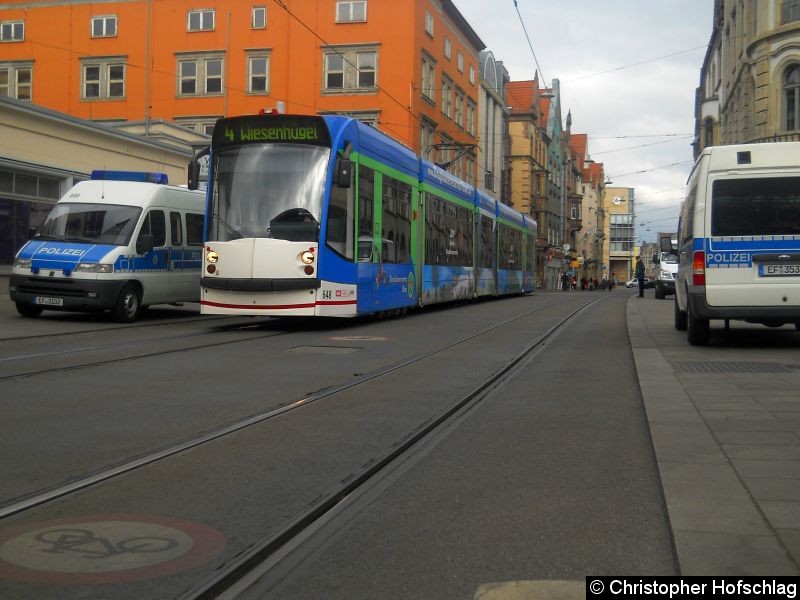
{"x": 90, "y": 223}
{"x": 756, "y": 206}
{"x": 268, "y": 191}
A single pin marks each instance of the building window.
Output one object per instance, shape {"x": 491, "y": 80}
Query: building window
{"x": 103, "y": 79}
{"x": 460, "y": 63}
{"x": 104, "y": 26}
{"x": 200, "y": 76}
{"x": 470, "y": 117}
{"x": 350, "y": 69}
{"x": 791, "y": 97}
{"x": 200, "y": 20}
{"x": 258, "y": 73}
{"x": 708, "y": 132}
{"x": 200, "y": 125}
{"x": 472, "y": 75}
{"x": 448, "y": 48}
{"x": 458, "y": 108}
{"x": 790, "y": 11}
{"x": 351, "y": 12}
{"x": 12, "y": 31}
{"x": 447, "y": 97}
{"x": 426, "y": 136}
{"x": 16, "y": 80}
{"x": 429, "y": 23}
{"x": 428, "y": 79}
{"x": 259, "y": 20}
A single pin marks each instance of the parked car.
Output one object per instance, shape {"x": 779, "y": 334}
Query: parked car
{"x": 635, "y": 283}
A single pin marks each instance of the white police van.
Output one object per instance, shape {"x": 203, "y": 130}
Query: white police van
{"x": 120, "y": 242}
{"x": 666, "y": 270}
{"x": 739, "y": 239}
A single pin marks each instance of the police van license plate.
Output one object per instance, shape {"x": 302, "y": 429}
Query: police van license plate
{"x": 778, "y": 270}
{"x": 45, "y": 301}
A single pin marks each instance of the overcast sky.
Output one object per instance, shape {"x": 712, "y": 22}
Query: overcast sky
{"x": 628, "y": 71}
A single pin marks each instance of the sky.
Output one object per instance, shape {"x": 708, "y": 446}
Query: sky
{"x": 628, "y": 71}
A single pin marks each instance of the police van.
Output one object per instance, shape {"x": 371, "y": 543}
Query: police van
{"x": 120, "y": 242}
{"x": 739, "y": 239}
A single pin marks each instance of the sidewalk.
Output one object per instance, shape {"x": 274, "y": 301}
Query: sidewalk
{"x": 725, "y": 423}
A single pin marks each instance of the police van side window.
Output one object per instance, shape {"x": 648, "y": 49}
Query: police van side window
{"x": 687, "y": 216}
{"x": 194, "y": 229}
{"x": 155, "y": 225}
{"x": 176, "y": 228}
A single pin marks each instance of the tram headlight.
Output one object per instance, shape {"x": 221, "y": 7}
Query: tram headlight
{"x": 212, "y": 256}
{"x": 307, "y": 257}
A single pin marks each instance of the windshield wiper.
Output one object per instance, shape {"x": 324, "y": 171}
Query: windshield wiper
{"x": 228, "y": 227}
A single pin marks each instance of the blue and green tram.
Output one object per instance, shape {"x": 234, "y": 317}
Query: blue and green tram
{"x": 327, "y": 216}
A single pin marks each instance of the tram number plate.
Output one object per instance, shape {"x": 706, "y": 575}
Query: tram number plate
{"x": 778, "y": 270}
{"x": 46, "y": 301}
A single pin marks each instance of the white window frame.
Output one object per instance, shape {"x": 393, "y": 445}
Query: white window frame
{"x": 350, "y": 7}
{"x": 471, "y": 108}
{"x": 472, "y": 74}
{"x": 447, "y": 97}
{"x": 12, "y": 86}
{"x": 428, "y": 82}
{"x": 252, "y": 56}
{"x": 458, "y": 108}
{"x": 12, "y": 31}
{"x": 428, "y": 23}
{"x": 351, "y": 58}
{"x": 204, "y": 125}
{"x": 258, "y": 17}
{"x": 200, "y": 77}
{"x": 460, "y": 63}
{"x": 104, "y": 81}
{"x": 104, "y": 20}
{"x": 448, "y": 48}
{"x": 203, "y": 14}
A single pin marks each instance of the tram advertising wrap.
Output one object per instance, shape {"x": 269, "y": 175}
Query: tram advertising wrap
{"x": 326, "y": 216}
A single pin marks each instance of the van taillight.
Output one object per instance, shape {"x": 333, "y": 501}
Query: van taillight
{"x": 699, "y": 268}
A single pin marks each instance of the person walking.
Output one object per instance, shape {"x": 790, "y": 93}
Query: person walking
{"x": 640, "y": 275}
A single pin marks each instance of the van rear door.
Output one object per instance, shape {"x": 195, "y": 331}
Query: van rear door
{"x": 753, "y": 252}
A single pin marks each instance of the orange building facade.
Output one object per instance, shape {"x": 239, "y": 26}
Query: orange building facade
{"x": 408, "y": 67}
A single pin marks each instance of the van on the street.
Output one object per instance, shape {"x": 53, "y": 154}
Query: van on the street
{"x": 119, "y": 242}
{"x": 739, "y": 239}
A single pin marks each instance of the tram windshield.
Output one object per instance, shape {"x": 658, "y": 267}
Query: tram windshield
{"x": 268, "y": 191}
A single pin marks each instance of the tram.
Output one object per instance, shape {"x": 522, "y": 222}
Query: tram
{"x": 326, "y": 216}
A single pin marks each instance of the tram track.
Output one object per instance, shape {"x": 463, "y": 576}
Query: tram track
{"x": 48, "y": 495}
{"x": 255, "y": 572}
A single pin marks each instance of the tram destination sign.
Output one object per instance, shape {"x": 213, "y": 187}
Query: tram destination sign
{"x": 271, "y": 129}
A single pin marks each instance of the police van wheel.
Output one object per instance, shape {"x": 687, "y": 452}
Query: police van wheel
{"x": 28, "y": 310}
{"x": 697, "y": 329}
{"x": 680, "y": 317}
{"x": 128, "y": 306}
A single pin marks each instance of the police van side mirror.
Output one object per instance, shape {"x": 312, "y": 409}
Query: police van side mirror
{"x": 656, "y": 260}
{"x": 666, "y": 245}
{"x": 344, "y": 171}
{"x": 145, "y": 243}
{"x": 193, "y": 174}
{"x": 31, "y": 232}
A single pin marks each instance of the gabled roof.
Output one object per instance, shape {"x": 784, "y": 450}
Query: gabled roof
{"x": 522, "y": 95}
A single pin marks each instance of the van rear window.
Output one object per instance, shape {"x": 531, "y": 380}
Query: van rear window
{"x": 756, "y": 206}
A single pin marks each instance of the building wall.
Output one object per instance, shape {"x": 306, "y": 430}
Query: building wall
{"x": 294, "y": 40}
{"x": 619, "y": 204}
{"x": 753, "y": 47}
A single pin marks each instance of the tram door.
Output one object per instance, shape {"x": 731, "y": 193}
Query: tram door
{"x": 369, "y": 260}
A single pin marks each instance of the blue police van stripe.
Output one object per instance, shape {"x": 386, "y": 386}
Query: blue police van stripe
{"x": 737, "y": 252}
{"x": 62, "y": 255}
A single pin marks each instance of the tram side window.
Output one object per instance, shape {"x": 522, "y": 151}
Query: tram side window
{"x": 340, "y": 222}
{"x": 510, "y": 248}
{"x": 448, "y": 237}
{"x": 366, "y": 199}
{"x": 397, "y": 218}
{"x": 487, "y": 243}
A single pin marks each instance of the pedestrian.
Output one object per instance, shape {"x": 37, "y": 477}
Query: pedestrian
{"x": 564, "y": 281}
{"x": 640, "y": 275}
